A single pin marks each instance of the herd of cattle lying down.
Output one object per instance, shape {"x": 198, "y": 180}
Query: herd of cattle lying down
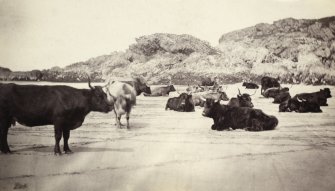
{"x": 66, "y": 107}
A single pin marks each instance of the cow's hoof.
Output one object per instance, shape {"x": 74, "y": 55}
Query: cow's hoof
{"x": 213, "y": 127}
{"x": 58, "y": 154}
{"x": 68, "y": 152}
{"x": 6, "y": 151}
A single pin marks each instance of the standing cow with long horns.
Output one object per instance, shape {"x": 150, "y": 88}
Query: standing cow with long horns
{"x": 62, "y": 106}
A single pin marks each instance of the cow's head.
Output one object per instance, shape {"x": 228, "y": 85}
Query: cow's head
{"x": 98, "y": 99}
{"x": 244, "y": 100}
{"x": 140, "y": 86}
{"x": 210, "y": 107}
{"x": 182, "y": 99}
{"x": 295, "y": 103}
{"x": 326, "y": 92}
{"x": 171, "y": 88}
{"x": 284, "y": 106}
{"x": 244, "y": 84}
{"x": 223, "y": 96}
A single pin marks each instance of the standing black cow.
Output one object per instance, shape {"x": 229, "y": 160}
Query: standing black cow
{"x": 268, "y": 82}
{"x": 225, "y": 116}
{"x": 183, "y": 103}
{"x": 62, "y": 106}
{"x": 249, "y": 85}
{"x": 319, "y": 97}
{"x": 161, "y": 91}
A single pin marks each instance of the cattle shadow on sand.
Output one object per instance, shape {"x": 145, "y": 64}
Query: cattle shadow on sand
{"x": 76, "y": 149}
{"x": 133, "y": 126}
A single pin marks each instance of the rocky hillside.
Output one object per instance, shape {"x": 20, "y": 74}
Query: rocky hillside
{"x": 296, "y": 50}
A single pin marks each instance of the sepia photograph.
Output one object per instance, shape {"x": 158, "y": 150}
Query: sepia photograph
{"x": 175, "y": 95}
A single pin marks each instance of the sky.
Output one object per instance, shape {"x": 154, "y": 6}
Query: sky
{"x": 40, "y": 34}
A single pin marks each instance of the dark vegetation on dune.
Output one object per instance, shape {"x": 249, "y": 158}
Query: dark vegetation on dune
{"x": 299, "y": 51}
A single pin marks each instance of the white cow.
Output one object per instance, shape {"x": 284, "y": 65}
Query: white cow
{"x": 123, "y": 96}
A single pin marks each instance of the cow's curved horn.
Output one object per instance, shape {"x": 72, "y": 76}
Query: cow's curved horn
{"x": 299, "y": 100}
{"x": 239, "y": 92}
{"x": 89, "y": 83}
{"x": 203, "y": 99}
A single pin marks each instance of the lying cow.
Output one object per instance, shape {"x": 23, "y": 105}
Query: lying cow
{"x": 62, "y": 106}
{"x": 281, "y": 97}
{"x": 273, "y": 92}
{"x": 226, "y": 117}
{"x": 139, "y": 85}
{"x": 242, "y": 100}
{"x": 249, "y": 85}
{"x": 268, "y": 82}
{"x": 183, "y": 103}
{"x": 200, "y": 98}
{"x": 300, "y": 106}
{"x": 123, "y": 97}
{"x": 161, "y": 91}
{"x": 319, "y": 97}
{"x": 194, "y": 89}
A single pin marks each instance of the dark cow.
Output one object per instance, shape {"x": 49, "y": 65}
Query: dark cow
{"x": 300, "y": 106}
{"x": 226, "y": 117}
{"x": 199, "y": 98}
{"x": 161, "y": 91}
{"x": 207, "y": 82}
{"x": 273, "y": 92}
{"x": 183, "y": 103}
{"x": 62, "y": 106}
{"x": 281, "y": 97}
{"x": 319, "y": 97}
{"x": 139, "y": 85}
{"x": 268, "y": 82}
{"x": 249, "y": 85}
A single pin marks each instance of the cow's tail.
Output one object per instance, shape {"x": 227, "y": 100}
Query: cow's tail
{"x": 271, "y": 124}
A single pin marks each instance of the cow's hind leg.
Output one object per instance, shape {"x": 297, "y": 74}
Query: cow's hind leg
{"x": 127, "y": 116}
{"x": 58, "y": 137}
{"x": 118, "y": 120}
{"x": 66, "y": 136}
{"x": 256, "y": 125}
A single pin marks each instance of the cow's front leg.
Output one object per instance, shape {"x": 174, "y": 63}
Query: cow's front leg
{"x": 66, "y": 136}
{"x": 3, "y": 138}
{"x": 58, "y": 137}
